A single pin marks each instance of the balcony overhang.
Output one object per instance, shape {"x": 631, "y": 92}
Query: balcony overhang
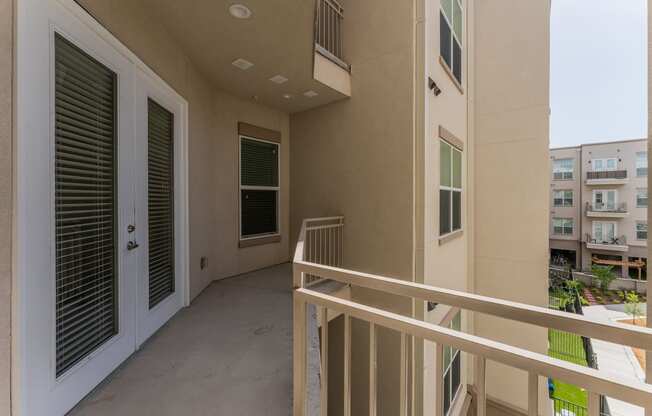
{"x": 606, "y": 214}
{"x": 606, "y": 181}
{"x": 277, "y": 38}
{"x": 607, "y": 247}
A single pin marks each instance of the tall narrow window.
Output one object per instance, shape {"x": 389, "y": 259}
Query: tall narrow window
{"x": 641, "y": 198}
{"x": 85, "y": 204}
{"x": 605, "y": 200}
{"x": 259, "y": 187}
{"x": 452, "y": 368}
{"x": 562, "y": 169}
{"x": 450, "y": 188}
{"x": 450, "y": 36}
{"x": 641, "y": 230}
{"x": 160, "y": 187}
{"x": 604, "y": 232}
{"x": 641, "y": 164}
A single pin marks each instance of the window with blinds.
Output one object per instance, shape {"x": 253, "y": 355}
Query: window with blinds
{"x": 258, "y": 187}
{"x": 85, "y": 204}
{"x": 160, "y": 181}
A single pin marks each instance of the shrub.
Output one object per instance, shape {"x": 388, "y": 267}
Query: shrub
{"x": 604, "y": 275}
{"x": 633, "y": 306}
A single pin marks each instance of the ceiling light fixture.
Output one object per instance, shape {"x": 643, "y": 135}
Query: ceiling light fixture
{"x": 240, "y": 11}
{"x": 310, "y": 94}
{"x": 287, "y": 96}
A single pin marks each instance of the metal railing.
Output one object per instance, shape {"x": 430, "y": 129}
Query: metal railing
{"x": 616, "y": 241}
{"x": 537, "y": 365}
{"x": 323, "y": 243}
{"x": 329, "y": 18}
{"x": 602, "y": 207}
{"x": 607, "y": 174}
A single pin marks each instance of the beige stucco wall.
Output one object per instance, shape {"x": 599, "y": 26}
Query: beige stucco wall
{"x": 355, "y": 158}
{"x": 213, "y": 146}
{"x": 511, "y": 175}
{"x": 6, "y": 123}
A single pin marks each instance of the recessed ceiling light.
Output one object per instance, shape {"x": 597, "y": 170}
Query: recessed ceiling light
{"x": 240, "y": 11}
{"x": 310, "y": 94}
{"x": 287, "y": 96}
{"x": 242, "y": 64}
{"x": 278, "y": 79}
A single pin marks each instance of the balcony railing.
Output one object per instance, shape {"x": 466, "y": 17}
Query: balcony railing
{"x": 323, "y": 243}
{"x": 329, "y": 18}
{"x": 606, "y": 174}
{"x": 602, "y": 207}
{"x": 616, "y": 241}
{"x": 594, "y": 381}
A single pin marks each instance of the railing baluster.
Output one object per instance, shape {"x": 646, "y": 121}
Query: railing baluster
{"x": 372, "y": 369}
{"x": 481, "y": 386}
{"x": 594, "y": 404}
{"x": 404, "y": 376}
{"x": 533, "y": 394}
{"x": 439, "y": 379}
{"x": 324, "y": 362}
{"x": 300, "y": 356}
{"x": 347, "y": 365}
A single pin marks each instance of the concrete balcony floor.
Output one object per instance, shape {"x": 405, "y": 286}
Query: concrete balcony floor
{"x": 229, "y": 353}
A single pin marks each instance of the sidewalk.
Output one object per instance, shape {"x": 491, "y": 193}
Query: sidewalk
{"x": 614, "y": 359}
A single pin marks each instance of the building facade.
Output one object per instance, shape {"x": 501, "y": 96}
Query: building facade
{"x": 598, "y": 206}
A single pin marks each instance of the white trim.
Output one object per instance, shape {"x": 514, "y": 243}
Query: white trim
{"x": 605, "y": 193}
{"x": 35, "y": 390}
{"x": 563, "y": 198}
{"x": 259, "y": 188}
{"x": 572, "y": 221}
{"x": 594, "y": 224}
{"x": 605, "y": 161}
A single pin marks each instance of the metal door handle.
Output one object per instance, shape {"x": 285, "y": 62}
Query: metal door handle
{"x": 132, "y": 245}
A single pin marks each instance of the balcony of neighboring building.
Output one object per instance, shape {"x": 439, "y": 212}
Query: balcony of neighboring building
{"x": 606, "y": 243}
{"x": 606, "y": 210}
{"x": 606, "y": 177}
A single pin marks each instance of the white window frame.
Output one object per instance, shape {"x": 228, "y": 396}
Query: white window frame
{"x": 563, "y": 170}
{"x": 259, "y": 188}
{"x": 636, "y": 230}
{"x": 453, "y": 39}
{"x": 563, "y": 226}
{"x": 641, "y": 163}
{"x": 563, "y": 198}
{"x": 638, "y": 192}
{"x": 454, "y": 394}
{"x": 452, "y": 189}
{"x": 601, "y": 224}
{"x": 604, "y": 162}
{"x": 604, "y": 193}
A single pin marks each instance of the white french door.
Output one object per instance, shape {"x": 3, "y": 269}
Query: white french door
{"x": 100, "y": 204}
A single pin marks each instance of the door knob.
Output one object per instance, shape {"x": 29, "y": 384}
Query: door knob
{"x": 132, "y": 245}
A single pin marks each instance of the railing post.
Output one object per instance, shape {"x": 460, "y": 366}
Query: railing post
{"x": 533, "y": 394}
{"x": 323, "y": 406}
{"x": 594, "y": 404}
{"x": 347, "y": 365}
{"x": 404, "y": 376}
{"x": 372, "y": 370}
{"x": 481, "y": 386}
{"x": 299, "y": 357}
{"x": 439, "y": 379}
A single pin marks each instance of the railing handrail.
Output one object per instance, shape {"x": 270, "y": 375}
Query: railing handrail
{"x": 592, "y": 380}
{"x": 603, "y": 207}
{"x": 634, "y": 336}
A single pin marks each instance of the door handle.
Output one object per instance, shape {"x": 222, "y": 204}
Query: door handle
{"x": 132, "y": 245}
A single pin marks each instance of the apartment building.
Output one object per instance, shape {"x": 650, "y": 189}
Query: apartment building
{"x": 156, "y": 148}
{"x": 598, "y": 206}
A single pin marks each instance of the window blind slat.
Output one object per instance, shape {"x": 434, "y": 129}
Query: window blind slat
{"x": 85, "y": 204}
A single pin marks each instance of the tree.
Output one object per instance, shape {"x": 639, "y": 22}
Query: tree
{"x": 633, "y": 306}
{"x": 604, "y": 275}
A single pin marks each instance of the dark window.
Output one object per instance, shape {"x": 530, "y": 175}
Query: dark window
{"x": 450, "y": 36}
{"x": 450, "y": 188}
{"x": 445, "y": 35}
{"x": 259, "y": 188}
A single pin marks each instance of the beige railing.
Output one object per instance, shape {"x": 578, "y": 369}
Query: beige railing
{"x": 595, "y": 382}
{"x": 329, "y": 17}
{"x": 321, "y": 241}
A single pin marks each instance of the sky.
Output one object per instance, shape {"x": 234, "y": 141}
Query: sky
{"x": 598, "y": 71}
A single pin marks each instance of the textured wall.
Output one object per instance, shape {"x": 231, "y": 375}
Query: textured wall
{"x": 512, "y": 180}
{"x": 213, "y": 146}
{"x": 6, "y": 115}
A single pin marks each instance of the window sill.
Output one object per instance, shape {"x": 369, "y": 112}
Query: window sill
{"x": 450, "y": 237}
{"x": 450, "y": 75}
{"x": 259, "y": 241}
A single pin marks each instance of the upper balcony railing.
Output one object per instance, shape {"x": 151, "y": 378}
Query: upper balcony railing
{"x": 606, "y": 174}
{"x": 594, "y": 381}
{"x": 620, "y": 208}
{"x": 329, "y": 19}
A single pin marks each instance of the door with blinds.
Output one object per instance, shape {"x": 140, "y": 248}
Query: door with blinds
{"x": 101, "y": 207}
{"x": 159, "y": 124}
